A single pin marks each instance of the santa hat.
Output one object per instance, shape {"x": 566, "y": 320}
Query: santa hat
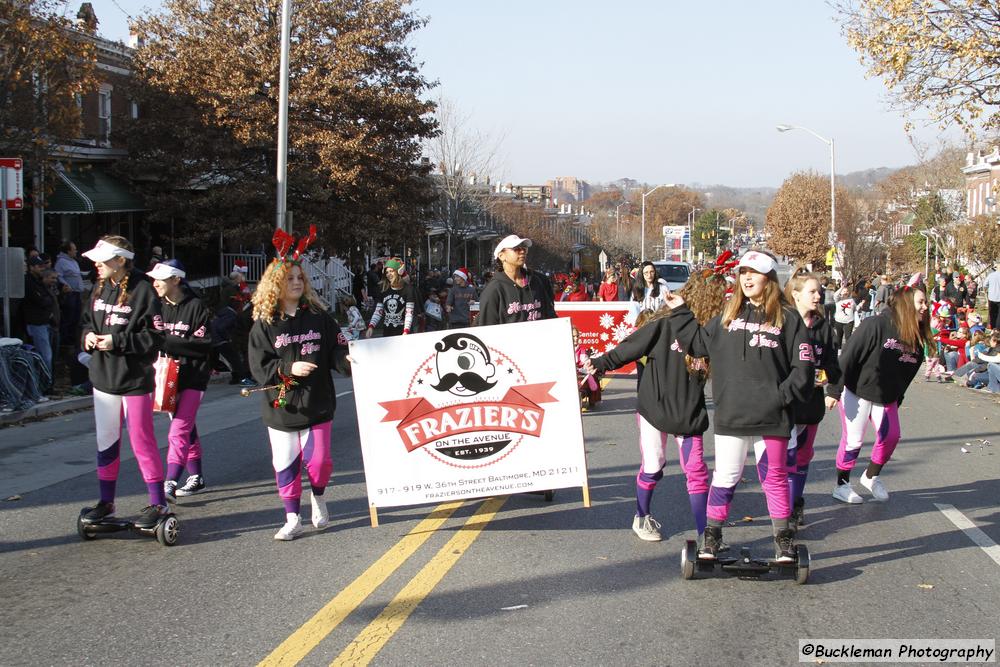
{"x": 241, "y": 266}
{"x": 462, "y": 273}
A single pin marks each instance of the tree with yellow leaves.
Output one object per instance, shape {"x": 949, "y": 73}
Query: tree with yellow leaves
{"x": 939, "y": 55}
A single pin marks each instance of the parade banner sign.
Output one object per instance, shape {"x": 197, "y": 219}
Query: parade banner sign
{"x": 601, "y": 325}
{"x": 468, "y": 413}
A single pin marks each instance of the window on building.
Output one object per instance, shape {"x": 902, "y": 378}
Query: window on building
{"x": 104, "y": 115}
{"x": 134, "y": 109}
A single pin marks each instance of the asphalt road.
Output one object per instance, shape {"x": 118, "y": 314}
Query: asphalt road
{"x": 543, "y": 583}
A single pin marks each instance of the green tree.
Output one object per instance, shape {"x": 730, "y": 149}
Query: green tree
{"x": 711, "y": 233}
{"x": 205, "y": 141}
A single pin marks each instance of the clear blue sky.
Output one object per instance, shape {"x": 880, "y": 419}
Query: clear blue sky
{"x": 660, "y": 91}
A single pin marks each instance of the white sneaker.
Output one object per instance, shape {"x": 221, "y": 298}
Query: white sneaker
{"x": 647, "y": 528}
{"x": 845, "y": 493}
{"x": 292, "y": 527}
{"x": 170, "y": 490}
{"x": 875, "y": 485}
{"x": 320, "y": 515}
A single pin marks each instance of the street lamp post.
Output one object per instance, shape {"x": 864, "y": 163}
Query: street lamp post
{"x": 618, "y": 220}
{"x": 281, "y": 213}
{"x": 691, "y": 234}
{"x": 642, "y": 243}
{"x": 833, "y": 193}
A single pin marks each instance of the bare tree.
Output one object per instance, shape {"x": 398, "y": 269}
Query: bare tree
{"x": 466, "y": 162}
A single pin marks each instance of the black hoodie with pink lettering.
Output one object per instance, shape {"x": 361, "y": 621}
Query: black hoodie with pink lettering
{"x": 187, "y": 338}
{"x": 876, "y": 365}
{"x": 136, "y": 329}
{"x": 758, "y": 370}
{"x": 308, "y": 336}
{"x": 503, "y": 301}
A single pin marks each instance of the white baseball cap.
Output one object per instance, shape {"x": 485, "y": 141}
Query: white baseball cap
{"x": 757, "y": 261}
{"x": 104, "y": 251}
{"x": 163, "y": 271}
{"x": 511, "y": 241}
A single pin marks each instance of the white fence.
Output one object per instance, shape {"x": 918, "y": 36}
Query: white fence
{"x": 255, "y": 264}
{"x": 329, "y": 276}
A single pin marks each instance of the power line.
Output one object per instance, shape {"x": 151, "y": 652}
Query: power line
{"x": 127, "y": 15}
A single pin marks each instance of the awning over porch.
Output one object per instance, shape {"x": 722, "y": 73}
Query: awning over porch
{"x": 83, "y": 192}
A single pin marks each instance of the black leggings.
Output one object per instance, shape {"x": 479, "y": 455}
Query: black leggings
{"x": 842, "y": 333}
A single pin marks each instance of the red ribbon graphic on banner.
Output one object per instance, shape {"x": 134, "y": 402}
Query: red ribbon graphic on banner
{"x": 420, "y": 422}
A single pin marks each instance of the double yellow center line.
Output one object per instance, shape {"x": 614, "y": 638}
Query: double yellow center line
{"x": 370, "y": 641}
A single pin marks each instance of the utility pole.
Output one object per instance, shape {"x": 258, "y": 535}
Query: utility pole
{"x": 281, "y": 205}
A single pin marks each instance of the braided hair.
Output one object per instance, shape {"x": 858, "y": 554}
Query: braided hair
{"x": 121, "y": 242}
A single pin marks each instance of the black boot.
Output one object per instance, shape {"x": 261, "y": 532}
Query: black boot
{"x": 798, "y": 518}
{"x": 784, "y": 546}
{"x": 710, "y": 543}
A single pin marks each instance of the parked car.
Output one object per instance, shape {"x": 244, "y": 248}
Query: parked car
{"x": 674, "y": 273}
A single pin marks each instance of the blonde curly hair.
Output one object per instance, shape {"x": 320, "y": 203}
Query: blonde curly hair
{"x": 266, "y": 298}
{"x": 705, "y": 294}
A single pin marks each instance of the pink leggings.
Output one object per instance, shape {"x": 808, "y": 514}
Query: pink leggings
{"x": 183, "y": 441}
{"x": 730, "y": 455}
{"x": 290, "y": 448}
{"x": 653, "y": 448}
{"x": 110, "y": 410}
{"x": 855, "y": 413}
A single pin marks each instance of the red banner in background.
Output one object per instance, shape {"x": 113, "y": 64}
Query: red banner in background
{"x": 601, "y": 325}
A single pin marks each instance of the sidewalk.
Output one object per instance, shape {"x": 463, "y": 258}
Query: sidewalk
{"x": 67, "y": 404}
{"x": 49, "y": 408}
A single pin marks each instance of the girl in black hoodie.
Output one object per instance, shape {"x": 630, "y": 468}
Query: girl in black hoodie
{"x": 294, "y": 345}
{"x": 123, "y": 331}
{"x": 878, "y": 364}
{"x": 671, "y": 400}
{"x": 186, "y": 339}
{"x": 762, "y": 363}
{"x": 515, "y": 294}
{"x": 803, "y": 290}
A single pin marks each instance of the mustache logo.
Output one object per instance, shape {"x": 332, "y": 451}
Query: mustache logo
{"x": 469, "y": 380}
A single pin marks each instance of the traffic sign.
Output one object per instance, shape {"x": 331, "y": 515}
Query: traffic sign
{"x": 13, "y": 173}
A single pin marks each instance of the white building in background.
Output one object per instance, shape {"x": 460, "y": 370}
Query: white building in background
{"x": 982, "y": 182}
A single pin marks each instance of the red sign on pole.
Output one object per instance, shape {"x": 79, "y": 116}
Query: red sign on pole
{"x": 13, "y": 171}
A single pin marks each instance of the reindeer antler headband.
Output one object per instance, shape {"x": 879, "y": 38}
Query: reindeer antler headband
{"x": 722, "y": 266}
{"x": 283, "y": 243}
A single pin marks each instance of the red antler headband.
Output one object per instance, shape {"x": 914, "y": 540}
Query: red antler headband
{"x": 721, "y": 267}
{"x": 283, "y": 242}
{"x": 722, "y": 263}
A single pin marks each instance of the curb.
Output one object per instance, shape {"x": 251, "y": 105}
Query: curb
{"x": 72, "y": 404}
{"x": 40, "y": 410}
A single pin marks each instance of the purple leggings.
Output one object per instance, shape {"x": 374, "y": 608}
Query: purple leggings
{"x": 800, "y": 454}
